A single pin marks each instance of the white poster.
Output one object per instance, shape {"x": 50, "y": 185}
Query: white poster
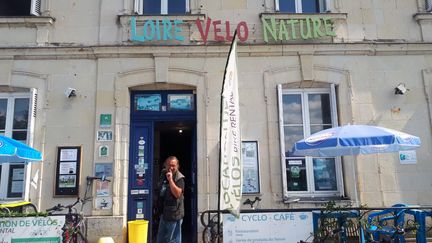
{"x": 31, "y": 229}
{"x": 68, "y": 167}
{"x": 230, "y": 148}
{"x": 103, "y": 202}
{"x": 282, "y": 227}
{"x": 68, "y": 154}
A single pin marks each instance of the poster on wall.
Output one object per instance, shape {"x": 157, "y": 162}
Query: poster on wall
{"x": 105, "y": 120}
{"x": 251, "y": 183}
{"x": 103, "y": 203}
{"x": 67, "y": 172}
{"x": 104, "y": 135}
{"x": 103, "y": 169}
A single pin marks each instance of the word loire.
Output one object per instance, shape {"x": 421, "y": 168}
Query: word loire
{"x": 156, "y": 30}
{"x": 292, "y": 29}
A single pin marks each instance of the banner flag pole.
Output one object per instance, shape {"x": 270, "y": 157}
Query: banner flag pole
{"x": 230, "y": 161}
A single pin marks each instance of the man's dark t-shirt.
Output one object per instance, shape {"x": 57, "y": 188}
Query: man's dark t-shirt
{"x": 173, "y": 208}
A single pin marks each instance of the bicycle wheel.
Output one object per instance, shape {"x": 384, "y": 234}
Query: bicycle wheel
{"x": 210, "y": 234}
{"x": 77, "y": 237}
{"x": 4, "y": 211}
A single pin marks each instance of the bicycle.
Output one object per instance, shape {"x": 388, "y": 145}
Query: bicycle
{"x": 75, "y": 228}
{"x": 210, "y": 233}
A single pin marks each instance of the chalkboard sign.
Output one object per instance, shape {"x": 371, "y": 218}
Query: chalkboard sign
{"x": 68, "y": 171}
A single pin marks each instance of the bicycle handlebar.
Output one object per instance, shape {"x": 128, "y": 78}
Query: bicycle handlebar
{"x": 60, "y": 207}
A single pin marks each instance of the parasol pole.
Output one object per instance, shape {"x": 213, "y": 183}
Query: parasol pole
{"x": 354, "y": 171}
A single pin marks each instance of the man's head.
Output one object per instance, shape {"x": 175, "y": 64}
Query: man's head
{"x": 172, "y": 164}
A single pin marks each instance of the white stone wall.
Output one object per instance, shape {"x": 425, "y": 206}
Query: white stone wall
{"x": 85, "y": 45}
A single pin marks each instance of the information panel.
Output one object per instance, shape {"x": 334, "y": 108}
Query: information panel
{"x": 32, "y": 229}
{"x": 68, "y": 171}
{"x": 267, "y": 227}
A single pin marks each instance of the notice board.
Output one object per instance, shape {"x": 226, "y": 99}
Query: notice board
{"x": 67, "y": 171}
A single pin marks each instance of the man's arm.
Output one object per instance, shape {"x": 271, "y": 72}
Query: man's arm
{"x": 175, "y": 190}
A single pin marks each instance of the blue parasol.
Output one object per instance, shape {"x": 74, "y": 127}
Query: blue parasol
{"x": 353, "y": 140}
{"x": 12, "y": 150}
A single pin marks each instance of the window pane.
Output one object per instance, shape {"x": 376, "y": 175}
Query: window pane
{"x": 292, "y": 135}
{"x": 287, "y": 6}
{"x": 152, "y": 7}
{"x": 318, "y": 128}
{"x": 16, "y": 181}
{"x": 148, "y": 102}
{"x": 176, "y": 6}
{"x": 20, "y": 136}
{"x": 3, "y": 112}
{"x": 310, "y": 6}
{"x": 319, "y": 109}
{"x": 296, "y": 174}
{"x": 324, "y": 174}
{"x": 21, "y": 112}
{"x": 15, "y": 8}
{"x": 292, "y": 109}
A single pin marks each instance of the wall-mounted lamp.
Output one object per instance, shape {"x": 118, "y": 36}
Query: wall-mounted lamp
{"x": 401, "y": 89}
{"x": 70, "y": 92}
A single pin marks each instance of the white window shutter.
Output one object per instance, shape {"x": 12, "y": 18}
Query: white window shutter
{"x": 35, "y": 8}
{"x": 32, "y": 116}
{"x": 187, "y": 6}
{"x": 138, "y": 6}
{"x": 277, "y": 5}
{"x": 324, "y": 6}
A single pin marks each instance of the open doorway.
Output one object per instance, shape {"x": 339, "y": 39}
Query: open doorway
{"x": 177, "y": 138}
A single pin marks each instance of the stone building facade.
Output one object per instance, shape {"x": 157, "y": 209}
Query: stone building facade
{"x": 147, "y": 80}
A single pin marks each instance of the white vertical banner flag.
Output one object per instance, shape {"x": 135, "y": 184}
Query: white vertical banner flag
{"x": 231, "y": 169}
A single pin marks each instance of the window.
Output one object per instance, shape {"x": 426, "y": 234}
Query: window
{"x": 161, "y": 7}
{"x": 302, "y": 6}
{"x": 15, "y": 122}
{"x": 304, "y": 112}
{"x": 428, "y": 5}
{"x": 20, "y": 8}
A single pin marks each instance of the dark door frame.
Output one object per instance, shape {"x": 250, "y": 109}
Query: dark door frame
{"x": 150, "y": 117}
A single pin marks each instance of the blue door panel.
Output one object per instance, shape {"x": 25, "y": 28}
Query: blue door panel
{"x": 140, "y": 172}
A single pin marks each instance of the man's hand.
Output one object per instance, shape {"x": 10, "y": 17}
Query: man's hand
{"x": 169, "y": 175}
{"x": 175, "y": 190}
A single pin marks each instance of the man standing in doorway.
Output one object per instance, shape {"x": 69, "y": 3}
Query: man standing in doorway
{"x": 171, "y": 194}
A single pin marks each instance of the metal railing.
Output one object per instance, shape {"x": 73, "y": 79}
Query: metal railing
{"x": 343, "y": 224}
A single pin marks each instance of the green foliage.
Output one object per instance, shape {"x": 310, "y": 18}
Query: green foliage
{"x": 18, "y": 214}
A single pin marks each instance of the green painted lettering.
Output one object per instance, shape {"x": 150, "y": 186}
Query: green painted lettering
{"x": 283, "y": 32}
{"x": 293, "y": 23}
{"x": 328, "y": 27}
{"x": 308, "y": 34}
{"x": 271, "y": 29}
{"x": 317, "y": 28}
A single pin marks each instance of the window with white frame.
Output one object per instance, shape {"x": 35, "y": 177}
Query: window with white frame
{"x": 15, "y": 120}
{"x": 303, "y": 112}
{"x": 161, "y": 7}
{"x": 302, "y": 6}
{"x": 20, "y": 8}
